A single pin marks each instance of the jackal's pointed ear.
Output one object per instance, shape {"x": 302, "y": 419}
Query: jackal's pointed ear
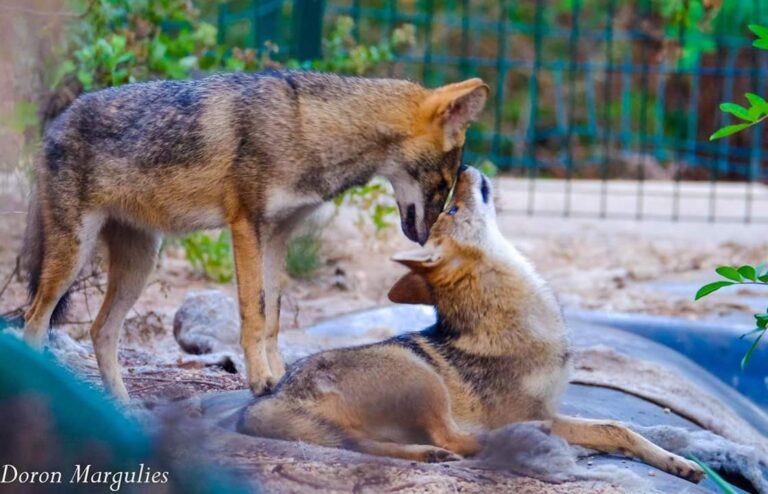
{"x": 412, "y": 288}
{"x": 418, "y": 260}
{"x": 455, "y": 106}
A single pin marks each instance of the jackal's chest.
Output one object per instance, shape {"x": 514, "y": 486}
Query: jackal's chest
{"x": 169, "y": 218}
{"x": 282, "y": 202}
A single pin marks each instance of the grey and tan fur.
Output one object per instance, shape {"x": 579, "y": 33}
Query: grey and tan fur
{"x": 497, "y": 355}
{"x": 254, "y": 152}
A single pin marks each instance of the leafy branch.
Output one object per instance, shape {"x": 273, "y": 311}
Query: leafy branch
{"x": 744, "y": 275}
{"x": 757, "y": 111}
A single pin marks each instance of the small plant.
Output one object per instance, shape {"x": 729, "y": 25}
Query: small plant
{"x": 744, "y": 275}
{"x": 374, "y": 200}
{"x": 302, "y": 255}
{"x": 123, "y": 41}
{"x": 211, "y": 256}
{"x": 758, "y": 106}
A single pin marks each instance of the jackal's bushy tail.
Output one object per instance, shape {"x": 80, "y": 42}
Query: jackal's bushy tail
{"x": 33, "y": 251}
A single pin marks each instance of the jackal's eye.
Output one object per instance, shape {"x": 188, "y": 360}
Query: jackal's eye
{"x": 484, "y": 190}
{"x": 454, "y": 209}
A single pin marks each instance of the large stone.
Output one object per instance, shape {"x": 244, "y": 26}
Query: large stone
{"x": 207, "y": 322}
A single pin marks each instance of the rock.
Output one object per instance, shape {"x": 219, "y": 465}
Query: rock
{"x": 207, "y": 322}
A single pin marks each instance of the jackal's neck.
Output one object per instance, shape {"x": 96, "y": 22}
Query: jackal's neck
{"x": 497, "y": 308}
{"x": 346, "y": 117}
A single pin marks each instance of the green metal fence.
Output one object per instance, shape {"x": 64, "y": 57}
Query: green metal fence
{"x": 584, "y": 89}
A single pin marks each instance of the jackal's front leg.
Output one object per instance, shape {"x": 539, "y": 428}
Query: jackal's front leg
{"x": 250, "y": 293}
{"x": 614, "y": 437}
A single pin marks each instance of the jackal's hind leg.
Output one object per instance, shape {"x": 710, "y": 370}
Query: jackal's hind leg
{"x": 432, "y": 415}
{"x": 132, "y": 255}
{"x": 414, "y": 452}
{"x": 66, "y": 247}
{"x": 273, "y": 273}
{"x": 614, "y": 437}
{"x": 252, "y": 301}
{"x": 446, "y": 434}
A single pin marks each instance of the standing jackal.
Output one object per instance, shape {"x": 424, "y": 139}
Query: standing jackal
{"x": 254, "y": 152}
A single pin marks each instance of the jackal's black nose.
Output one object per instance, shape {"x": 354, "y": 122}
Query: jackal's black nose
{"x": 408, "y": 223}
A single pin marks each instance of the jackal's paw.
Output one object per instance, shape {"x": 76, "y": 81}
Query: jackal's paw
{"x": 262, "y": 386}
{"x": 439, "y": 455}
{"x": 686, "y": 469}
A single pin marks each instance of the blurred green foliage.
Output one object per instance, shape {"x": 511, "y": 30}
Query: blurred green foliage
{"x": 695, "y": 23}
{"x": 374, "y": 200}
{"x": 210, "y": 256}
{"x": 122, "y": 41}
{"x": 302, "y": 255}
{"x": 343, "y": 55}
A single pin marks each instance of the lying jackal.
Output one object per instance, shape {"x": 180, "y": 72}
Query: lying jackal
{"x": 254, "y": 152}
{"x": 498, "y": 354}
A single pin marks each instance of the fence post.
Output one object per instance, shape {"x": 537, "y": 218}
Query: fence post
{"x": 221, "y": 21}
{"x": 308, "y": 29}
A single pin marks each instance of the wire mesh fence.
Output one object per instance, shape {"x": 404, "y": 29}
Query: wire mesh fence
{"x": 593, "y": 102}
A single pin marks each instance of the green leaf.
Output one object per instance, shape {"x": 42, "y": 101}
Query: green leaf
{"x": 761, "y": 43}
{"x": 757, "y": 102}
{"x": 762, "y": 322}
{"x": 717, "y": 479}
{"x": 760, "y": 31}
{"x": 86, "y": 79}
{"x": 751, "y": 350}
{"x": 125, "y": 57}
{"x": 748, "y": 272}
{"x": 118, "y": 43}
{"x": 729, "y": 130}
{"x": 729, "y": 272}
{"x": 755, "y": 114}
{"x": 104, "y": 46}
{"x": 737, "y": 111}
{"x": 711, "y": 287}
